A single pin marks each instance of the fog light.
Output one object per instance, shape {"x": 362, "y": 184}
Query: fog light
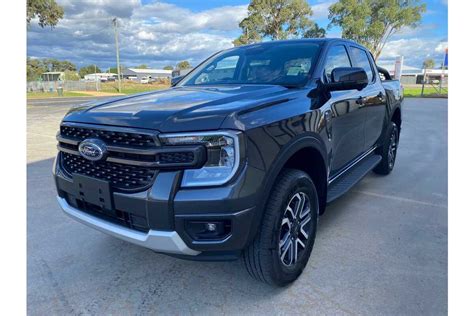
{"x": 203, "y": 230}
{"x": 211, "y": 227}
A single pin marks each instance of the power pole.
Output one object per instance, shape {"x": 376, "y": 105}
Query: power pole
{"x": 95, "y": 75}
{"x": 114, "y": 21}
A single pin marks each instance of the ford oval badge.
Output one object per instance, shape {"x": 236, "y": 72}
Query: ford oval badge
{"x": 92, "y": 149}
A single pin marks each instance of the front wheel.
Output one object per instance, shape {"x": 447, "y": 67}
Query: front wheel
{"x": 284, "y": 243}
{"x": 388, "y": 150}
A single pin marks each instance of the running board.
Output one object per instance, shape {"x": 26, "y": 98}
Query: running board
{"x": 351, "y": 177}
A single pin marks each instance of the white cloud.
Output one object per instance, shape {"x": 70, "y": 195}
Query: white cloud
{"x": 321, "y": 9}
{"x": 441, "y": 47}
{"x": 171, "y": 18}
{"x": 160, "y": 33}
{"x": 147, "y": 36}
{"x": 415, "y": 50}
{"x": 157, "y": 33}
{"x": 422, "y": 29}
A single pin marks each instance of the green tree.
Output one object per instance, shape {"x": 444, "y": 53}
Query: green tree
{"x": 373, "y": 22}
{"x": 275, "y": 20}
{"x": 142, "y": 66}
{"x": 48, "y": 12}
{"x": 315, "y": 32}
{"x": 34, "y": 69}
{"x": 71, "y": 75}
{"x": 183, "y": 65}
{"x": 59, "y": 65}
{"x": 168, "y": 67}
{"x": 91, "y": 69}
{"x": 428, "y": 63}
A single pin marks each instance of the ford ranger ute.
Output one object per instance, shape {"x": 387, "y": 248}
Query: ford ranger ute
{"x": 237, "y": 159}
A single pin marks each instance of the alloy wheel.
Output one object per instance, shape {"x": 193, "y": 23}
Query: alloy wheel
{"x": 392, "y": 149}
{"x": 295, "y": 229}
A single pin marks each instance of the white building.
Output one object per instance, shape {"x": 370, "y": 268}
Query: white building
{"x": 146, "y": 73}
{"x": 413, "y": 75}
{"x": 102, "y": 76}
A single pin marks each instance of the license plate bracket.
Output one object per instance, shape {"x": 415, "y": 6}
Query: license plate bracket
{"x": 94, "y": 191}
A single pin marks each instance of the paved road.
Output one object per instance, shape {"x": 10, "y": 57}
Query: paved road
{"x": 380, "y": 250}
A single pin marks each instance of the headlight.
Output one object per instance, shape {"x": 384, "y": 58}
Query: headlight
{"x": 223, "y": 156}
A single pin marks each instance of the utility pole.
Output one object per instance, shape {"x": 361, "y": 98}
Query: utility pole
{"x": 114, "y": 21}
{"x": 95, "y": 75}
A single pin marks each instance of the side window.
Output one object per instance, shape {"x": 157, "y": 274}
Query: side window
{"x": 362, "y": 60}
{"x": 337, "y": 57}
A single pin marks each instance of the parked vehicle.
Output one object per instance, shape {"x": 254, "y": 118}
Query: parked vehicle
{"x": 239, "y": 158}
{"x": 145, "y": 80}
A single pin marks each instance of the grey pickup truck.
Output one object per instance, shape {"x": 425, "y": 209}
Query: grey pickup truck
{"x": 238, "y": 159}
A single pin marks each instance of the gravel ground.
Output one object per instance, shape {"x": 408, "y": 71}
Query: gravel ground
{"x": 381, "y": 249}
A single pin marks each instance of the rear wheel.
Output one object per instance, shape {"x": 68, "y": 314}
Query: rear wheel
{"x": 283, "y": 245}
{"x": 388, "y": 150}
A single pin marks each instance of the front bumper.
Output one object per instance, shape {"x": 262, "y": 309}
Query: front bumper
{"x": 161, "y": 241}
{"x": 166, "y": 209}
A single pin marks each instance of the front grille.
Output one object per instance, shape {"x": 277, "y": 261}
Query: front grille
{"x": 120, "y": 176}
{"x": 115, "y": 138}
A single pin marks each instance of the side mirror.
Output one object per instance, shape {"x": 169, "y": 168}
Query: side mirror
{"x": 175, "y": 80}
{"x": 347, "y": 78}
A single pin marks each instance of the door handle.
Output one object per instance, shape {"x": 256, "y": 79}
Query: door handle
{"x": 328, "y": 123}
{"x": 361, "y": 101}
{"x": 380, "y": 96}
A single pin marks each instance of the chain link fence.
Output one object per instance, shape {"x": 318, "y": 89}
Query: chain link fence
{"x": 52, "y": 86}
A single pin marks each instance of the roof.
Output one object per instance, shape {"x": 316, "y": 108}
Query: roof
{"x": 149, "y": 71}
{"x": 102, "y": 74}
{"x": 390, "y": 66}
{"x": 302, "y": 40}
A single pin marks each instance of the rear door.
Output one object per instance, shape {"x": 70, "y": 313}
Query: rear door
{"x": 372, "y": 98}
{"x": 344, "y": 118}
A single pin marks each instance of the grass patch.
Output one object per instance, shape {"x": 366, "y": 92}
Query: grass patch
{"x": 131, "y": 87}
{"x": 47, "y": 95}
{"x": 428, "y": 92}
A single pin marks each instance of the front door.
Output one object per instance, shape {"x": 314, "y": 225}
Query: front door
{"x": 346, "y": 120}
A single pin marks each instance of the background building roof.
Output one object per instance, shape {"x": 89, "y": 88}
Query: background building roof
{"x": 147, "y": 71}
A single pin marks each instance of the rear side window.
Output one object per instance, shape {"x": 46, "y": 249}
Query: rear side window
{"x": 362, "y": 60}
{"x": 337, "y": 57}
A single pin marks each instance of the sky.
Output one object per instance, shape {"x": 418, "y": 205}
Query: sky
{"x": 160, "y": 33}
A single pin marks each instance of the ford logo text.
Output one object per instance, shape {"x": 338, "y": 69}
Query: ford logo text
{"x": 93, "y": 149}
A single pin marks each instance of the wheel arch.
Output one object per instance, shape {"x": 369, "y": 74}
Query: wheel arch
{"x": 397, "y": 118}
{"x": 299, "y": 154}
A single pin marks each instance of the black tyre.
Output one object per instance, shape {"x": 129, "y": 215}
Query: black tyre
{"x": 283, "y": 245}
{"x": 388, "y": 150}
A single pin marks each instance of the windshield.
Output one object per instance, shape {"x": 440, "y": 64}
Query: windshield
{"x": 287, "y": 64}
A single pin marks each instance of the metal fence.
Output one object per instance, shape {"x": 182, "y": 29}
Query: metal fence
{"x": 52, "y": 86}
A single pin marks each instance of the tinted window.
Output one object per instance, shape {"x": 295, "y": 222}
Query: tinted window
{"x": 224, "y": 69}
{"x": 288, "y": 65}
{"x": 362, "y": 60}
{"x": 337, "y": 57}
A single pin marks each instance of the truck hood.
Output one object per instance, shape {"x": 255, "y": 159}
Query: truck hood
{"x": 179, "y": 109}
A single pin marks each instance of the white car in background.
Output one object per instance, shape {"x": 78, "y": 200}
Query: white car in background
{"x": 144, "y": 80}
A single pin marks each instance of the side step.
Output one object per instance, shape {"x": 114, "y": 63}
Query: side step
{"x": 350, "y": 178}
